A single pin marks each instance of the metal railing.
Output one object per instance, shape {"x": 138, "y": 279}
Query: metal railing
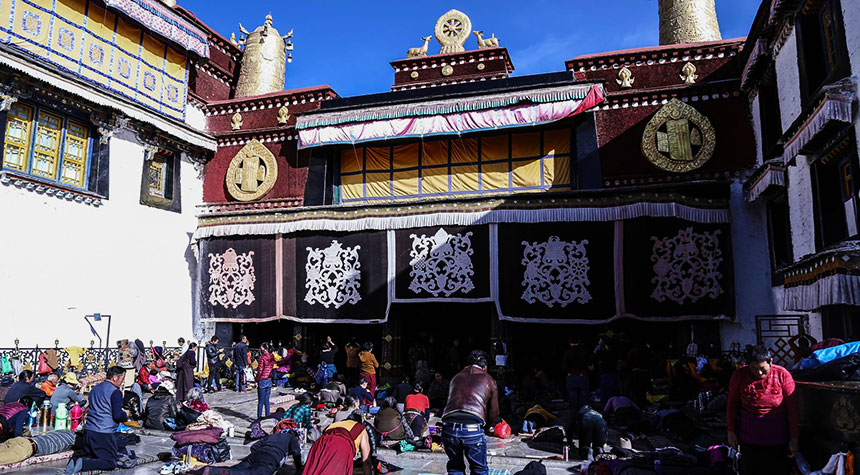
{"x": 90, "y": 361}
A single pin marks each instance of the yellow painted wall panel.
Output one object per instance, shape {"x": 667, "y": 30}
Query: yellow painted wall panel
{"x": 405, "y": 183}
{"x": 66, "y": 40}
{"x": 32, "y": 27}
{"x": 406, "y": 156}
{"x": 434, "y": 180}
{"x": 494, "y": 176}
{"x": 150, "y": 83}
{"x": 378, "y": 184}
{"x": 526, "y": 173}
{"x": 125, "y": 69}
{"x": 464, "y": 178}
{"x": 6, "y": 14}
{"x": 378, "y": 158}
{"x": 96, "y": 59}
{"x": 525, "y": 145}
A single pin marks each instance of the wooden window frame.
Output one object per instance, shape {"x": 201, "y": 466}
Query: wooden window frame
{"x": 59, "y": 155}
{"x": 826, "y": 214}
{"x": 811, "y": 35}
{"x": 171, "y": 199}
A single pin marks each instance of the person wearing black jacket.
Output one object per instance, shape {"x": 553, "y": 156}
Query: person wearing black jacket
{"x": 212, "y": 356}
{"x": 24, "y": 387}
{"x": 269, "y": 454}
{"x": 240, "y": 360}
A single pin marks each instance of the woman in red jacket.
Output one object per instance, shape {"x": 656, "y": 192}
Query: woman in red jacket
{"x": 264, "y": 379}
{"x": 762, "y": 415}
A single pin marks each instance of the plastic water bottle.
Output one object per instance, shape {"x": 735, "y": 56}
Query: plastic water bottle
{"x": 61, "y": 418}
{"x": 34, "y": 416}
{"x": 46, "y": 415}
{"x": 76, "y": 413}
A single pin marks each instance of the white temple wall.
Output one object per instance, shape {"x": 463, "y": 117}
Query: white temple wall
{"x": 65, "y": 259}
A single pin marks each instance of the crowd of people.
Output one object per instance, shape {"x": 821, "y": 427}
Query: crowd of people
{"x": 605, "y": 386}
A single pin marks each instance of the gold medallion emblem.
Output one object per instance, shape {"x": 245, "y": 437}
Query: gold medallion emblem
{"x": 678, "y": 138}
{"x": 252, "y": 172}
{"x": 447, "y": 70}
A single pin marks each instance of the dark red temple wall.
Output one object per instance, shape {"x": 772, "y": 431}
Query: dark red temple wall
{"x": 292, "y": 172}
{"x": 222, "y": 60}
{"x": 208, "y": 87}
{"x": 619, "y": 135}
{"x": 667, "y": 74}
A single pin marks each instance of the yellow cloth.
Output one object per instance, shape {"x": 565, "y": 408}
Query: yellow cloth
{"x": 368, "y": 362}
{"x": 75, "y": 353}
{"x": 537, "y": 409}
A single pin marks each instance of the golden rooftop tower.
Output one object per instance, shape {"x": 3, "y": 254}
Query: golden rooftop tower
{"x": 264, "y": 60}
{"x": 688, "y": 21}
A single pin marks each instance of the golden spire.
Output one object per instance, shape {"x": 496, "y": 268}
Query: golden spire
{"x": 688, "y": 21}
{"x": 264, "y": 60}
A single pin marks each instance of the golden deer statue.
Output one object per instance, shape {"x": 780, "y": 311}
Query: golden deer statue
{"x": 491, "y": 42}
{"x": 422, "y": 51}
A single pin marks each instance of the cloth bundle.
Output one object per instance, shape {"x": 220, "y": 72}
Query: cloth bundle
{"x": 54, "y": 442}
{"x": 205, "y": 453}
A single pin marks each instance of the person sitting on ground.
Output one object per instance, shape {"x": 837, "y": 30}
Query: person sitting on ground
{"x": 350, "y": 405}
{"x": 161, "y": 406}
{"x": 14, "y": 418}
{"x": 438, "y": 392}
{"x": 402, "y": 390}
{"x": 334, "y": 451}
{"x": 195, "y": 401}
{"x": 24, "y": 387}
{"x": 50, "y": 385}
{"x": 361, "y": 393}
{"x": 103, "y": 418}
{"x": 389, "y": 422}
{"x": 66, "y": 392}
{"x": 592, "y": 433}
{"x": 418, "y": 402}
{"x": 301, "y": 411}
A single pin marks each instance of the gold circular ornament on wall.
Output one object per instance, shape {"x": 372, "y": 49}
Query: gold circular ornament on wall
{"x": 452, "y": 30}
{"x": 252, "y": 172}
{"x": 447, "y": 70}
{"x": 414, "y": 75}
{"x": 678, "y": 138}
{"x": 481, "y": 66}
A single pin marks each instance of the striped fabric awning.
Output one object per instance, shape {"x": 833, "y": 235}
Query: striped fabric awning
{"x": 449, "y": 116}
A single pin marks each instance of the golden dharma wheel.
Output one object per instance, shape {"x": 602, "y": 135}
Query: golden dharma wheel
{"x": 452, "y": 30}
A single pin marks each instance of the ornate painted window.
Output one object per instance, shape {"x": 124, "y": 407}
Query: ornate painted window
{"x": 835, "y": 194}
{"x": 159, "y": 187}
{"x": 47, "y": 146}
{"x": 823, "y": 54}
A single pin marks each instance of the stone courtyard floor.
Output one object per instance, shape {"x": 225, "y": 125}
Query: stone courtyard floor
{"x": 241, "y": 409}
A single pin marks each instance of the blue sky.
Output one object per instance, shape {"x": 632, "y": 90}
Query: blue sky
{"x": 348, "y": 44}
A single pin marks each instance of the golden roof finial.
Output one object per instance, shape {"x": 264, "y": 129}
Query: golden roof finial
{"x": 264, "y": 60}
{"x": 688, "y": 21}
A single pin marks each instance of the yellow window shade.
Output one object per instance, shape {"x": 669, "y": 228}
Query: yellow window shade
{"x": 19, "y": 122}
{"x": 351, "y": 187}
{"x": 464, "y": 178}
{"x": 127, "y": 37}
{"x": 556, "y": 171}
{"x": 71, "y": 10}
{"x": 405, "y": 183}
{"x": 152, "y": 51}
{"x": 175, "y": 64}
{"x": 406, "y": 156}
{"x": 556, "y": 142}
{"x": 464, "y": 151}
{"x": 494, "y": 147}
{"x": 526, "y": 173}
{"x": 378, "y": 185}
{"x": 100, "y": 22}
{"x": 75, "y": 152}
{"x": 525, "y": 145}
{"x": 378, "y": 158}
{"x": 435, "y": 153}
{"x": 434, "y": 180}
{"x": 494, "y": 176}
{"x": 350, "y": 160}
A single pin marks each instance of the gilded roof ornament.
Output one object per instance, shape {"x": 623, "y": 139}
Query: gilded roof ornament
{"x": 688, "y": 73}
{"x": 452, "y": 30}
{"x": 236, "y": 121}
{"x": 264, "y": 59}
{"x": 688, "y": 21}
{"x": 625, "y": 78}
{"x": 491, "y": 42}
{"x": 421, "y": 51}
{"x": 283, "y": 115}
